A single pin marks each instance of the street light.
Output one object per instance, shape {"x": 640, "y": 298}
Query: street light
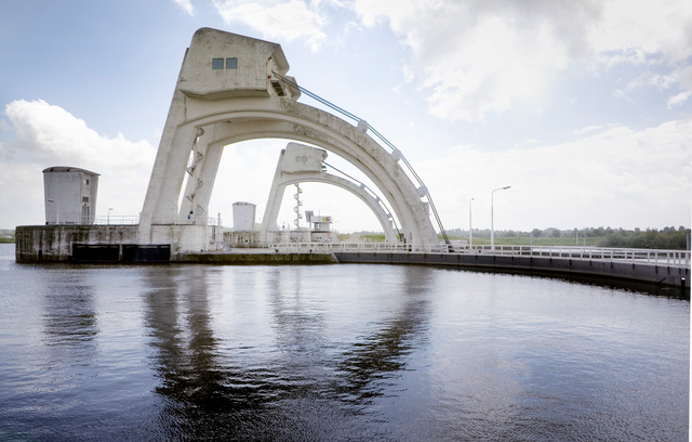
{"x": 108, "y": 216}
{"x": 470, "y": 226}
{"x": 492, "y": 226}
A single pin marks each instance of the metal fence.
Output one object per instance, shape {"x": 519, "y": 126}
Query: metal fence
{"x": 117, "y": 220}
{"x": 678, "y": 258}
{"x": 131, "y": 219}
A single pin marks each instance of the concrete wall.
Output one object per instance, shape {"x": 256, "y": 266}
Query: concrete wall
{"x": 255, "y": 61}
{"x": 257, "y": 240}
{"x": 241, "y": 240}
{"x": 55, "y": 243}
{"x": 657, "y": 274}
{"x": 259, "y": 258}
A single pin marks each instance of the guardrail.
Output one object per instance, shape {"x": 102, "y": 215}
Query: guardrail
{"x": 128, "y": 219}
{"x": 678, "y": 258}
{"x": 117, "y": 220}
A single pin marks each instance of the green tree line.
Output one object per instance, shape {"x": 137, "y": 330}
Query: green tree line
{"x": 667, "y": 238}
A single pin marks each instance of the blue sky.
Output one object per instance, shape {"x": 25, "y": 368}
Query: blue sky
{"x": 584, "y": 108}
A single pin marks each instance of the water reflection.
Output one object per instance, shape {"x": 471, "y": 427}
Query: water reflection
{"x": 70, "y": 321}
{"x": 334, "y": 353}
{"x": 210, "y": 397}
{"x": 382, "y": 356}
{"x": 305, "y": 387}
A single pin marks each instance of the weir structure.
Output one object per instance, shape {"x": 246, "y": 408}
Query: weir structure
{"x": 233, "y": 88}
{"x": 299, "y": 163}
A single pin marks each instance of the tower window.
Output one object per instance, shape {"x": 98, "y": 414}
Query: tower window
{"x": 217, "y": 63}
{"x": 232, "y": 63}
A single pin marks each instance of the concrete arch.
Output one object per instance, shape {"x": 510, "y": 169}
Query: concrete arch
{"x": 311, "y": 170}
{"x": 380, "y": 214}
{"x": 238, "y": 108}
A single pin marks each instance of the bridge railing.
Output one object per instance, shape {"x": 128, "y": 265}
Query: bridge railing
{"x": 117, "y": 219}
{"x": 641, "y": 256}
{"x": 678, "y": 258}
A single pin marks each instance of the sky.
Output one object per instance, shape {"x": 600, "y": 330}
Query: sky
{"x": 583, "y": 107}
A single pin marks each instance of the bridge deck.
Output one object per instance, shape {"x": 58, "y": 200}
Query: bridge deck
{"x": 663, "y": 267}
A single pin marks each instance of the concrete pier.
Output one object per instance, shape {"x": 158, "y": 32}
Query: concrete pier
{"x": 656, "y": 273}
{"x": 120, "y": 243}
{"x": 108, "y": 243}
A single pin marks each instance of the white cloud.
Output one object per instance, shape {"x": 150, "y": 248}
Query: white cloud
{"x": 526, "y": 143}
{"x": 619, "y": 93}
{"x": 587, "y": 129}
{"x": 479, "y": 57}
{"x": 45, "y": 136}
{"x": 684, "y": 76}
{"x": 678, "y": 99}
{"x": 276, "y": 19}
{"x": 186, "y": 6}
{"x": 618, "y": 177}
{"x": 473, "y": 58}
{"x": 647, "y": 28}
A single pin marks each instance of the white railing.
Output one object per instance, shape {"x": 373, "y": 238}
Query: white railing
{"x": 100, "y": 220}
{"x": 114, "y": 220}
{"x": 678, "y": 258}
{"x": 640, "y": 256}
{"x": 117, "y": 220}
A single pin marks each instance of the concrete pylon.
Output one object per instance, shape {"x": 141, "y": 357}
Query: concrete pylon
{"x": 228, "y": 86}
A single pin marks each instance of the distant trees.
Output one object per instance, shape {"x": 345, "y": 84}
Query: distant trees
{"x": 667, "y": 238}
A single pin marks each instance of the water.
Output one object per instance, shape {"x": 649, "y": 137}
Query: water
{"x": 341, "y": 352}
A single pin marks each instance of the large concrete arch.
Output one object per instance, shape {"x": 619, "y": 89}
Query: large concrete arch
{"x": 311, "y": 169}
{"x": 326, "y": 178}
{"x": 249, "y": 102}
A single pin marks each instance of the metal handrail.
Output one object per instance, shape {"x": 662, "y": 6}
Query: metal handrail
{"x": 677, "y": 258}
{"x": 117, "y": 219}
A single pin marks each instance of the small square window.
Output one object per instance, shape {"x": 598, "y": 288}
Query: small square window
{"x": 232, "y": 63}
{"x": 217, "y": 63}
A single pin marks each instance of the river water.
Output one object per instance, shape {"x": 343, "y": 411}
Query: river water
{"x": 334, "y": 353}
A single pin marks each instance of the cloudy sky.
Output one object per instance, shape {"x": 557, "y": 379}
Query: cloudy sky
{"x": 584, "y": 107}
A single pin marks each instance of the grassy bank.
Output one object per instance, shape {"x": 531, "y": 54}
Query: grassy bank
{"x": 6, "y": 236}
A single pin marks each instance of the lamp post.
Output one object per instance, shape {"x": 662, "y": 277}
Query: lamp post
{"x": 492, "y": 226}
{"x": 108, "y": 216}
{"x": 470, "y": 225}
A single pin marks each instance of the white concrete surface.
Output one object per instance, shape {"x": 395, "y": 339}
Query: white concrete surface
{"x": 246, "y": 103}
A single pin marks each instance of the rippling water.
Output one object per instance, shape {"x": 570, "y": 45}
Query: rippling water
{"x": 340, "y": 352}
